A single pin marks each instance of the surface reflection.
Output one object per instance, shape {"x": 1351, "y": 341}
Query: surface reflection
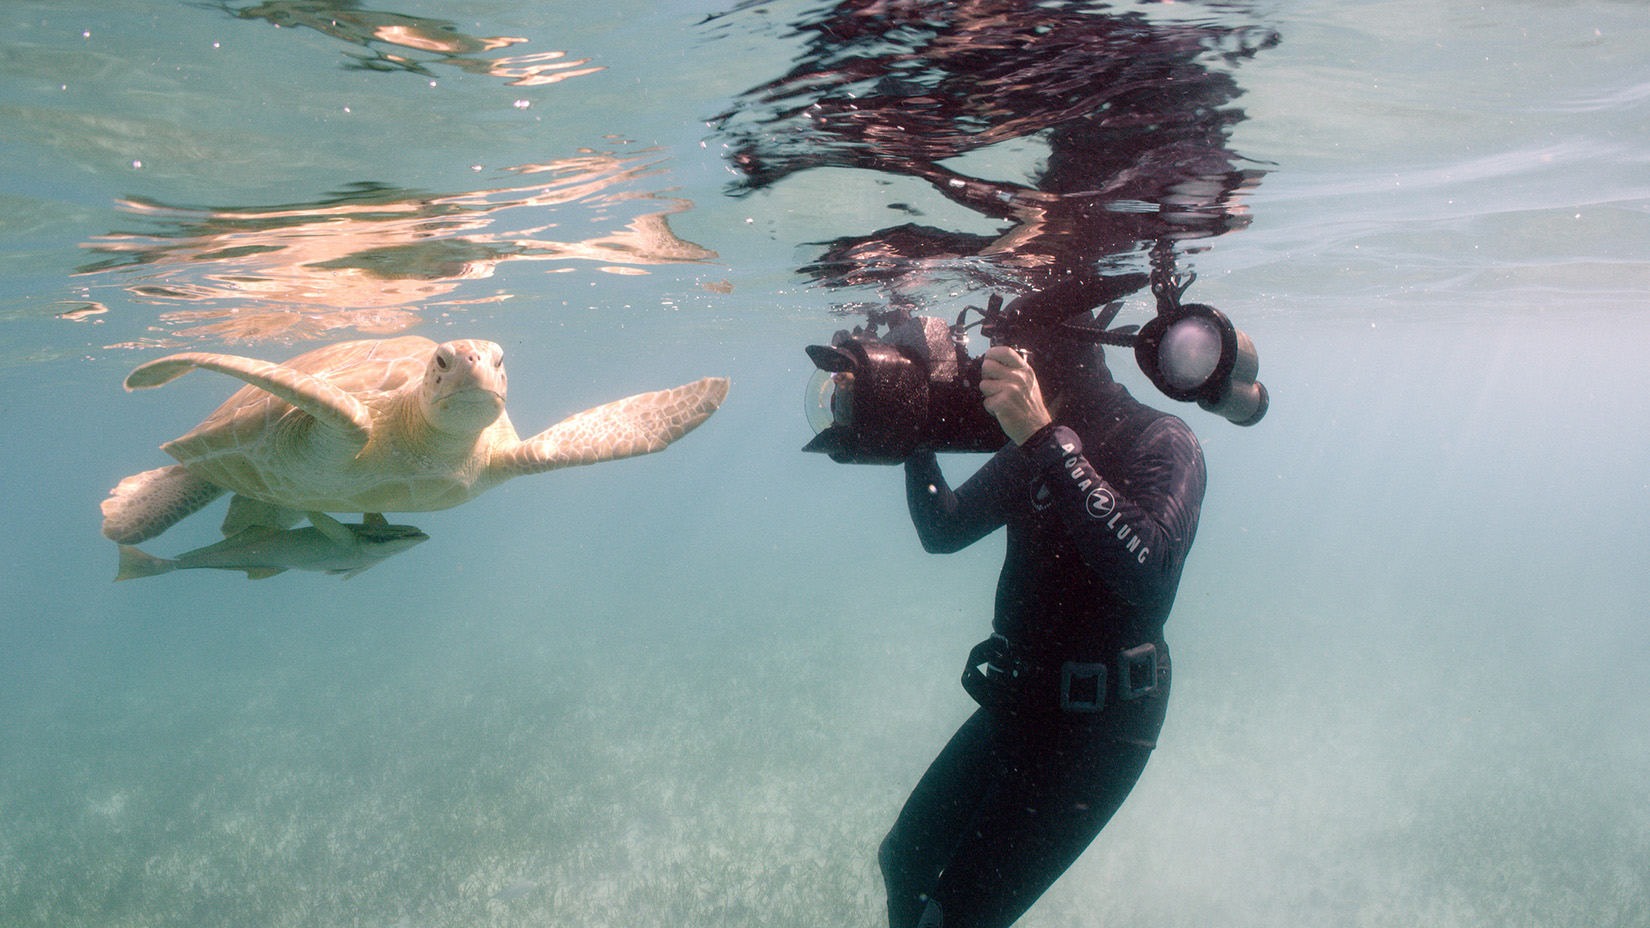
{"x": 1123, "y": 118}
{"x": 361, "y": 258}
{"x": 399, "y": 42}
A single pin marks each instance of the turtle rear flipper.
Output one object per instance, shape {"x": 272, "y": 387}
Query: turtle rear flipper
{"x": 146, "y": 504}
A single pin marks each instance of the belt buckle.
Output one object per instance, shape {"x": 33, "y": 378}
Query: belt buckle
{"x": 1082, "y": 687}
{"x": 1136, "y": 671}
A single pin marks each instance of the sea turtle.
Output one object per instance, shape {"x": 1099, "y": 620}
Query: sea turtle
{"x": 387, "y": 425}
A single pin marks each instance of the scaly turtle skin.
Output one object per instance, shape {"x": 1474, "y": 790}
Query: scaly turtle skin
{"x": 389, "y": 425}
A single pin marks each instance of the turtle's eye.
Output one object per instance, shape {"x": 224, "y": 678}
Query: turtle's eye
{"x": 499, "y": 361}
{"x": 442, "y": 362}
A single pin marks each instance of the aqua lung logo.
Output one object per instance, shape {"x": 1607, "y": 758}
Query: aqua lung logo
{"x": 1101, "y": 504}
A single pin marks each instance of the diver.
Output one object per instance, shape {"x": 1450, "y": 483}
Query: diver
{"x": 1100, "y": 495}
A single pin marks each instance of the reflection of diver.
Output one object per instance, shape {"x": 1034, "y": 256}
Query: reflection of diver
{"x": 1100, "y": 495}
{"x": 1134, "y": 118}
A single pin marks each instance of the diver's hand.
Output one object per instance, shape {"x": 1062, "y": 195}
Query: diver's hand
{"x": 1009, "y": 386}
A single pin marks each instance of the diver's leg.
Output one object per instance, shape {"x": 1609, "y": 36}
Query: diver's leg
{"x": 935, "y": 820}
{"x": 1054, "y": 799}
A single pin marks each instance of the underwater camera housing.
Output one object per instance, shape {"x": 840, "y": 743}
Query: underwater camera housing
{"x": 879, "y": 399}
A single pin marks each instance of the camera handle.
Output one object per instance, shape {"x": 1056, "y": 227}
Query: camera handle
{"x": 1053, "y": 305}
{"x": 1167, "y": 286}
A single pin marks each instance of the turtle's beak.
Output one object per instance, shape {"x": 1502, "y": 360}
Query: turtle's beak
{"x": 474, "y": 406}
{"x": 474, "y": 393}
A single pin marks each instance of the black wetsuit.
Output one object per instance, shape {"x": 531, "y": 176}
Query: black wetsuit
{"x": 1101, "y": 508}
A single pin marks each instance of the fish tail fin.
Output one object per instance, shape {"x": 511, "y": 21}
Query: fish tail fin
{"x": 134, "y": 563}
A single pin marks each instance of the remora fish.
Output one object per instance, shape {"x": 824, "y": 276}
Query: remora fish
{"x": 325, "y": 545}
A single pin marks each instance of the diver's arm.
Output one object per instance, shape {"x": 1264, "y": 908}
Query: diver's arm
{"x": 1137, "y": 542}
{"x": 997, "y": 199}
{"x": 949, "y": 520}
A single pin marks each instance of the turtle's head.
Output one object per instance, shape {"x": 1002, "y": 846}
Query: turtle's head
{"x": 464, "y": 386}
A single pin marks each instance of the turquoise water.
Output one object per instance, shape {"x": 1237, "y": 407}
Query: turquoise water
{"x": 694, "y": 688}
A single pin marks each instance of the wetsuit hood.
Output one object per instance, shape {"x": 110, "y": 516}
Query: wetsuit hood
{"x": 1066, "y": 365}
{"x": 1042, "y": 323}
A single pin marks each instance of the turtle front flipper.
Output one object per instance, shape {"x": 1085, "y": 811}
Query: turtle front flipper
{"x": 640, "y": 424}
{"x": 328, "y": 404}
{"x": 146, "y": 504}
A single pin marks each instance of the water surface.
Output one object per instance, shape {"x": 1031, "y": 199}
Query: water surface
{"x": 694, "y": 688}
